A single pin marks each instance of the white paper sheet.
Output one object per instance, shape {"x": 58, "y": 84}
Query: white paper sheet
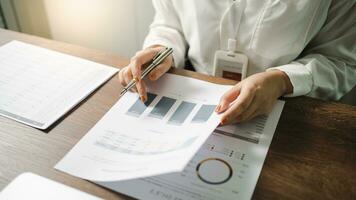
{"x": 226, "y": 167}
{"x": 32, "y": 186}
{"x": 38, "y": 86}
{"x": 133, "y": 140}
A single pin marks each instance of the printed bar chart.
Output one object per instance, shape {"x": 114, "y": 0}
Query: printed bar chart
{"x": 139, "y": 107}
{"x": 162, "y": 107}
{"x": 204, "y": 113}
{"x": 182, "y": 112}
{"x": 250, "y": 132}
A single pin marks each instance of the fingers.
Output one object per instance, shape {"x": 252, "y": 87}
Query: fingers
{"x": 253, "y": 115}
{"x": 242, "y": 102}
{"x": 228, "y": 98}
{"x": 128, "y": 78}
{"x": 141, "y": 58}
{"x": 136, "y": 65}
{"x": 251, "y": 97}
{"x": 125, "y": 77}
{"x": 121, "y": 77}
{"x": 161, "y": 69}
{"x": 249, "y": 113}
{"x": 141, "y": 89}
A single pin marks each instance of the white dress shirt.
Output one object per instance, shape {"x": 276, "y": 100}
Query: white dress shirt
{"x": 312, "y": 41}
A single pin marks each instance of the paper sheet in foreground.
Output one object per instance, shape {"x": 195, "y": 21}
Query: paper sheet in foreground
{"x": 33, "y": 186}
{"x": 138, "y": 140}
{"x": 226, "y": 167}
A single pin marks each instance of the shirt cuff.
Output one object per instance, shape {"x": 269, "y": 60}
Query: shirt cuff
{"x": 299, "y": 76}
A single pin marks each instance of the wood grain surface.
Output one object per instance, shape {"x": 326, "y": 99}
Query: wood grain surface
{"x": 312, "y": 155}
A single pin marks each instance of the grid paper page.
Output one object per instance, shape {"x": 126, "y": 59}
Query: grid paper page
{"x": 38, "y": 86}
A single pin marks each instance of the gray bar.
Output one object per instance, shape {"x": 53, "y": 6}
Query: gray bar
{"x": 181, "y": 113}
{"x": 139, "y": 107}
{"x": 204, "y": 113}
{"x": 162, "y": 107}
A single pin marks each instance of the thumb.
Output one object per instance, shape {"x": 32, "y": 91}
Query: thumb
{"x": 228, "y": 98}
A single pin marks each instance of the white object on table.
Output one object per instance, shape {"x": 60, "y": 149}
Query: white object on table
{"x": 136, "y": 140}
{"x": 226, "y": 167}
{"x": 38, "y": 86}
{"x": 32, "y": 186}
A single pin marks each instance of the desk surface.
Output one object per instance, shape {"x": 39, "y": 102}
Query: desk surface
{"x": 312, "y": 155}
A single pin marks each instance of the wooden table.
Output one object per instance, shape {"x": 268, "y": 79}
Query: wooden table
{"x": 312, "y": 155}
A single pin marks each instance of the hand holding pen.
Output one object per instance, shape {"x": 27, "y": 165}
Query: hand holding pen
{"x": 154, "y": 62}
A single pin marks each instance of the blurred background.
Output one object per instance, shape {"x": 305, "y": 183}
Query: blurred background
{"x": 117, "y": 26}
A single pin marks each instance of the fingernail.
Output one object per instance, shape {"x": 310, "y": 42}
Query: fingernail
{"x": 223, "y": 121}
{"x": 143, "y": 99}
{"x": 217, "y": 108}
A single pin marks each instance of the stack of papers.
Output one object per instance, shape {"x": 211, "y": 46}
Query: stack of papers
{"x": 226, "y": 167}
{"x": 38, "y": 86}
{"x": 170, "y": 147}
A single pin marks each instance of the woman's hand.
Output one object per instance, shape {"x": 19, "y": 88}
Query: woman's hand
{"x": 253, "y": 96}
{"x": 138, "y": 63}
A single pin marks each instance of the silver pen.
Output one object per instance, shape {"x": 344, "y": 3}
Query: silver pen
{"x": 157, "y": 60}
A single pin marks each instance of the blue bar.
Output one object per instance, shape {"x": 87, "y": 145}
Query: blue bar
{"x": 204, "y": 113}
{"x": 162, "y": 107}
{"x": 182, "y": 112}
{"x": 139, "y": 107}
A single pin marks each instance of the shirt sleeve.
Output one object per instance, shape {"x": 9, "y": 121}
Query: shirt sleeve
{"x": 166, "y": 30}
{"x": 326, "y": 69}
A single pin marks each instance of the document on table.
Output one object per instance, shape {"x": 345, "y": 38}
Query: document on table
{"x": 32, "y": 186}
{"x": 226, "y": 167}
{"x": 38, "y": 86}
{"x": 136, "y": 139}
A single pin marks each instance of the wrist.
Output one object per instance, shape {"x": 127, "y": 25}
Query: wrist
{"x": 284, "y": 81}
{"x": 288, "y": 83}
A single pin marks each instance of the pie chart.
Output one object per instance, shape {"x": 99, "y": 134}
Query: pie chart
{"x": 214, "y": 171}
